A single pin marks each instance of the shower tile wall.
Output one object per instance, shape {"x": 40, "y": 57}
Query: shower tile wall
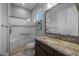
{"x": 22, "y": 30}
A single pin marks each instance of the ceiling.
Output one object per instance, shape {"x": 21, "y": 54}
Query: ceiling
{"x": 29, "y": 6}
{"x": 61, "y": 7}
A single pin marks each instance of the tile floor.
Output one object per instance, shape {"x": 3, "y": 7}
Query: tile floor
{"x": 21, "y": 51}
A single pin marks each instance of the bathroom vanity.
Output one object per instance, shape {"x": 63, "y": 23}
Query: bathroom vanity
{"x": 44, "y": 50}
{"x": 49, "y": 46}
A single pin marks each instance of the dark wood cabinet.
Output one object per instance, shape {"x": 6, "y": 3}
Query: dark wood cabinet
{"x": 57, "y": 53}
{"x": 41, "y": 52}
{"x": 42, "y": 49}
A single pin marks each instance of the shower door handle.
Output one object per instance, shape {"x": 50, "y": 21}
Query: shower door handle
{"x": 10, "y": 30}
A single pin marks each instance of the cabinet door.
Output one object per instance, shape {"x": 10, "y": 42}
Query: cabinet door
{"x": 62, "y": 22}
{"x": 57, "y": 53}
{"x": 72, "y": 21}
{"x": 39, "y": 51}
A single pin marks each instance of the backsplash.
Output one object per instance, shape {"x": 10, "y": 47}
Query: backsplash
{"x": 65, "y": 38}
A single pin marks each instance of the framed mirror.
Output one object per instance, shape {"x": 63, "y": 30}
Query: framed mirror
{"x": 62, "y": 19}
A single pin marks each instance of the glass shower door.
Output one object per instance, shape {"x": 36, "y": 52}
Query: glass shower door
{"x": 20, "y": 35}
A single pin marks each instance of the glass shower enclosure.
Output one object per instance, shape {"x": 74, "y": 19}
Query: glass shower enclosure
{"x": 17, "y": 34}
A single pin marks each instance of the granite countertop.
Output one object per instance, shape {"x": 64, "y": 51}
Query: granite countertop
{"x": 67, "y": 48}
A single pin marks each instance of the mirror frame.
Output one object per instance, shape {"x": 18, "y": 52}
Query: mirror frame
{"x": 66, "y": 36}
